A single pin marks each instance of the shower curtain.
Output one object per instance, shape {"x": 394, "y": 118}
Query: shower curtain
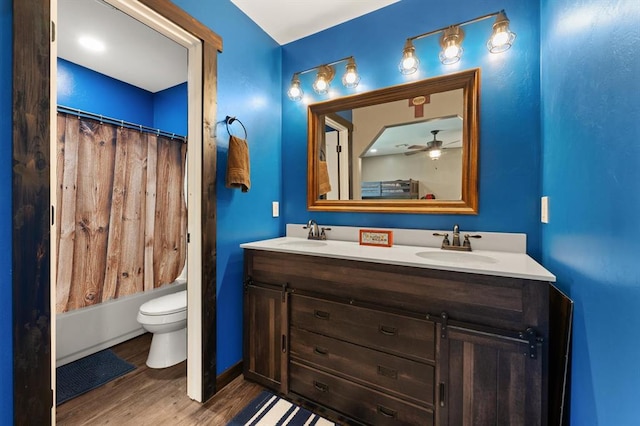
{"x": 122, "y": 216}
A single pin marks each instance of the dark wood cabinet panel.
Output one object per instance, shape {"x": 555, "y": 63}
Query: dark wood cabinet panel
{"x": 488, "y": 379}
{"x": 264, "y": 338}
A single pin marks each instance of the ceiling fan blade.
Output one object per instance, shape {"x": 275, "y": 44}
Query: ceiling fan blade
{"x": 423, "y": 147}
{"x": 449, "y": 143}
{"x": 414, "y": 151}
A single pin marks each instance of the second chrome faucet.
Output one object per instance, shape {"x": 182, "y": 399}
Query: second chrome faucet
{"x": 455, "y": 242}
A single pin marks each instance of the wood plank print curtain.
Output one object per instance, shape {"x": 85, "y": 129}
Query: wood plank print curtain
{"x": 122, "y": 216}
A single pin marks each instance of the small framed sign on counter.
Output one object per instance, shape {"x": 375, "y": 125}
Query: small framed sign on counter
{"x": 376, "y": 237}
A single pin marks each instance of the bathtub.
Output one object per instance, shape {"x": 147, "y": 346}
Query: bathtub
{"x": 88, "y": 330}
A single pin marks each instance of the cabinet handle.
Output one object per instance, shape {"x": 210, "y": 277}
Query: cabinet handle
{"x": 387, "y": 372}
{"x": 320, "y": 386}
{"x": 320, "y": 351}
{"x": 442, "y": 394}
{"x": 283, "y": 345}
{"x": 387, "y": 331}
{"x": 321, "y": 314}
{"x": 387, "y": 412}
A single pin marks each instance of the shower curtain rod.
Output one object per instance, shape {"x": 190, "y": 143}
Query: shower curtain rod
{"x": 102, "y": 119}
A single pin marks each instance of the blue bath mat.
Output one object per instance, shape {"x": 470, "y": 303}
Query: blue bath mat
{"x": 269, "y": 409}
{"x": 88, "y": 373}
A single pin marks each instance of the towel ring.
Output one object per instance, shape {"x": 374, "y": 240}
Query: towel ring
{"x": 229, "y": 120}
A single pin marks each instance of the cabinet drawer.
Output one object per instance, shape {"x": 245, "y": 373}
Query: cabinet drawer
{"x": 384, "y": 331}
{"x": 403, "y": 377}
{"x": 354, "y": 400}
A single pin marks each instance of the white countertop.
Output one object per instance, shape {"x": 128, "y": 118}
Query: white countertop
{"x": 485, "y": 262}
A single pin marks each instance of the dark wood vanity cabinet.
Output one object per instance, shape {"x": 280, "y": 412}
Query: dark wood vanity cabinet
{"x": 393, "y": 345}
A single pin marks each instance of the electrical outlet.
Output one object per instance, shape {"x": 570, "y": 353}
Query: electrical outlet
{"x": 544, "y": 209}
{"x": 275, "y": 208}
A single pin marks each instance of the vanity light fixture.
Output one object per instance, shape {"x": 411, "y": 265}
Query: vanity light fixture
{"x": 451, "y": 41}
{"x": 409, "y": 62}
{"x": 295, "y": 91}
{"x": 324, "y": 76}
{"x": 501, "y": 38}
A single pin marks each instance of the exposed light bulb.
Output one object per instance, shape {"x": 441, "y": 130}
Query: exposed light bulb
{"x": 295, "y": 91}
{"x": 323, "y": 80}
{"x": 351, "y": 77}
{"x": 451, "y": 45}
{"x": 502, "y": 37}
{"x": 409, "y": 62}
{"x": 434, "y": 154}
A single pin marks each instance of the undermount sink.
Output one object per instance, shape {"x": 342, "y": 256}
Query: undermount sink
{"x": 456, "y": 257}
{"x": 306, "y": 243}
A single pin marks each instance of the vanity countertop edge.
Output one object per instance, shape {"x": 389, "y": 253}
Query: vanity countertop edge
{"x": 504, "y": 264}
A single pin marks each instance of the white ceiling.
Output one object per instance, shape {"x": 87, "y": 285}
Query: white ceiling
{"x": 289, "y": 20}
{"x": 134, "y": 53}
{"x": 140, "y": 56}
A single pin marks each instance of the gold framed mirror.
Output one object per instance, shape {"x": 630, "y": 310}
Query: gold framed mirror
{"x": 410, "y": 148}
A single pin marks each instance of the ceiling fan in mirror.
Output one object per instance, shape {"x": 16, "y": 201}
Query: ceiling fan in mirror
{"x": 434, "y": 147}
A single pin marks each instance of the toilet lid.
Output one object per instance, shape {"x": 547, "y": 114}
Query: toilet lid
{"x": 163, "y": 305}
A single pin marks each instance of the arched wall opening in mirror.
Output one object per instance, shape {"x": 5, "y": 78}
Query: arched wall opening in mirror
{"x": 410, "y": 148}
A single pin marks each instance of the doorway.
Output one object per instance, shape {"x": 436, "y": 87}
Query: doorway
{"x": 33, "y": 145}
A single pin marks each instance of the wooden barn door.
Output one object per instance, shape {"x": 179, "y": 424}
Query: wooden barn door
{"x": 122, "y": 217}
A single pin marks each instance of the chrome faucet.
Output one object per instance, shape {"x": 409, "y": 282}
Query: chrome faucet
{"x": 456, "y": 235}
{"x": 316, "y": 232}
{"x": 455, "y": 243}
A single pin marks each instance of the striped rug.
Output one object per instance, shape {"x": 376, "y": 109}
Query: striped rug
{"x": 270, "y": 410}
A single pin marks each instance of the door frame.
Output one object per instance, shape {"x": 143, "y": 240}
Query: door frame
{"x": 32, "y": 207}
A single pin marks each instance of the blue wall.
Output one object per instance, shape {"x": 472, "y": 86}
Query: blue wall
{"x": 170, "y": 112}
{"x": 509, "y": 180}
{"x": 249, "y": 74}
{"x": 90, "y": 91}
{"x": 6, "y": 316}
{"x": 591, "y": 173}
{"x": 87, "y": 90}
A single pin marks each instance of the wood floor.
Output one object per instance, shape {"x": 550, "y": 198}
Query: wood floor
{"x": 156, "y": 397}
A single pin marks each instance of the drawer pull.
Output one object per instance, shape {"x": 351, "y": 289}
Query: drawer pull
{"x": 320, "y": 386}
{"x": 387, "y": 331}
{"x": 387, "y": 372}
{"x": 387, "y": 412}
{"x": 320, "y": 351}
{"x": 442, "y": 394}
{"x": 321, "y": 314}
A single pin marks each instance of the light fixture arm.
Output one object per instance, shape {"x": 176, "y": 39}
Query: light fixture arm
{"x": 439, "y": 30}
{"x": 325, "y": 65}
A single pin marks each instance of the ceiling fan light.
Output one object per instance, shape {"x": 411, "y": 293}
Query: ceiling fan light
{"x": 434, "y": 154}
{"x": 409, "y": 62}
{"x": 451, "y": 43}
{"x": 502, "y": 37}
{"x": 295, "y": 91}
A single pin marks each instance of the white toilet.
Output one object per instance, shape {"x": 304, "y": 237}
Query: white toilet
{"x": 166, "y": 318}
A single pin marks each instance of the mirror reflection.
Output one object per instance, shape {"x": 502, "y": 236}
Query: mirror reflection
{"x": 409, "y": 148}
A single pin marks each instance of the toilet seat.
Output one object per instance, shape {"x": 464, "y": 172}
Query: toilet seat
{"x": 165, "y": 305}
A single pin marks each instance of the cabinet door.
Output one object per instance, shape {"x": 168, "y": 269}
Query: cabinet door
{"x": 488, "y": 379}
{"x": 264, "y": 335}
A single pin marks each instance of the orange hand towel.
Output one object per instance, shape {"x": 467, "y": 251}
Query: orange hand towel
{"x": 324, "y": 185}
{"x": 238, "y": 175}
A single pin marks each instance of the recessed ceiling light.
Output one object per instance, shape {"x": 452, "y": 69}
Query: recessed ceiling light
{"x": 373, "y": 150}
{"x": 91, "y": 43}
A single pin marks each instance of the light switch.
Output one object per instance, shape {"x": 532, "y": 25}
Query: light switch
{"x": 544, "y": 209}
{"x": 275, "y": 207}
